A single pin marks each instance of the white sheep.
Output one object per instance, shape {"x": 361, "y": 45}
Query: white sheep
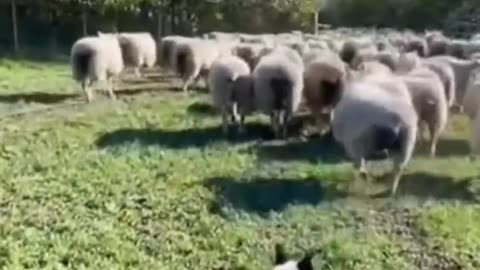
{"x": 370, "y": 120}
{"x": 374, "y": 67}
{"x": 278, "y": 85}
{"x": 166, "y": 48}
{"x": 428, "y": 97}
{"x": 193, "y": 58}
{"x": 471, "y": 100}
{"x": 388, "y": 58}
{"x": 475, "y": 140}
{"x": 96, "y": 59}
{"x": 251, "y": 53}
{"x": 409, "y": 61}
{"x": 224, "y": 93}
{"x": 138, "y": 50}
{"x": 462, "y": 69}
{"x": 323, "y": 80}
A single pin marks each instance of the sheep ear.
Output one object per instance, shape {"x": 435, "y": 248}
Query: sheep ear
{"x": 306, "y": 262}
{"x": 280, "y": 256}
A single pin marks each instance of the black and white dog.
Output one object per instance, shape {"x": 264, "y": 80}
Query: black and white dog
{"x": 283, "y": 263}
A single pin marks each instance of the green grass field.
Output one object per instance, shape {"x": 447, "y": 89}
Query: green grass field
{"x": 150, "y": 182}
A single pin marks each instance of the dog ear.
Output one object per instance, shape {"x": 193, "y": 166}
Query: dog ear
{"x": 280, "y": 256}
{"x": 306, "y": 262}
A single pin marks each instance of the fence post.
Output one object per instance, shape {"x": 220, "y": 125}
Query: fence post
{"x": 84, "y": 21}
{"x": 159, "y": 24}
{"x": 16, "y": 44}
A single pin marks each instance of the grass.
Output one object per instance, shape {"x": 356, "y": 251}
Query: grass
{"x": 149, "y": 182}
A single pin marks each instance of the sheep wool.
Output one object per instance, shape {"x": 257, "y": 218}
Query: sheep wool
{"x": 369, "y": 120}
{"x": 96, "y": 59}
{"x": 193, "y": 58}
{"x": 428, "y": 97}
{"x": 222, "y": 77}
{"x": 138, "y": 50}
{"x": 278, "y": 85}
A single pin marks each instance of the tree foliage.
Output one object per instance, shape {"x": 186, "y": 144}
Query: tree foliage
{"x": 73, "y": 18}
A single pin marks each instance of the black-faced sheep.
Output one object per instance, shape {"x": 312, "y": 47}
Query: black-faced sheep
{"x": 278, "y": 84}
{"x": 226, "y": 91}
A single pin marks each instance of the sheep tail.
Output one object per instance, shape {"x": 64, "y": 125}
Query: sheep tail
{"x": 280, "y": 89}
{"x": 182, "y": 63}
{"x": 81, "y": 64}
{"x": 387, "y": 138}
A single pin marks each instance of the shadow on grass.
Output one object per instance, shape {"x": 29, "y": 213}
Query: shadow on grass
{"x": 446, "y": 147}
{"x": 323, "y": 149}
{"x": 194, "y": 137}
{"x": 428, "y": 186}
{"x": 201, "y": 108}
{"x": 263, "y": 195}
{"x": 36, "y": 97}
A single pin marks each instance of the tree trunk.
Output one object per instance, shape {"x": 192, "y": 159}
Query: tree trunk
{"x": 16, "y": 45}
{"x": 84, "y": 21}
{"x": 159, "y": 24}
{"x": 53, "y": 46}
{"x": 172, "y": 18}
{"x": 164, "y": 22}
{"x": 315, "y": 23}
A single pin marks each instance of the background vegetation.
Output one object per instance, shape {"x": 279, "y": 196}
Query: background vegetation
{"x": 55, "y": 24}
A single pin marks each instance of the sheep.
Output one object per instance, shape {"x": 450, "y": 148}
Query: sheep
{"x": 323, "y": 79}
{"x": 222, "y": 77}
{"x": 138, "y": 50}
{"x": 429, "y": 100}
{"x": 251, "y": 53}
{"x": 370, "y": 119}
{"x": 278, "y": 85}
{"x": 96, "y": 59}
{"x": 462, "y": 70}
{"x": 447, "y": 76}
{"x": 475, "y": 140}
{"x": 387, "y": 58}
{"x": 471, "y": 100}
{"x": 352, "y": 48}
{"x": 456, "y": 48}
{"x": 374, "y": 67}
{"x": 406, "y": 62}
{"x": 418, "y": 45}
{"x": 193, "y": 58}
{"x": 437, "y": 43}
{"x": 410, "y": 61}
{"x": 166, "y": 49}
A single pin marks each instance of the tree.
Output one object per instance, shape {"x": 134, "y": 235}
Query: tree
{"x": 16, "y": 45}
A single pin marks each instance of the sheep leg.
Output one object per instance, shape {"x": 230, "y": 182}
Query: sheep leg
{"x": 361, "y": 173}
{"x": 205, "y": 79}
{"x": 285, "y": 120}
{"x": 433, "y": 140}
{"x": 225, "y": 121}
{"x": 397, "y": 175}
{"x": 186, "y": 83}
{"x": 196, "y": 81}
{"x": 421, "y": 131}
{"x": 86, "y": 86}
{"x": 401, "y": 159}
{"x": 110, "y": 88}
{"x": 274, "y": 123}
{"x": 136, "y": 70}
{"x": 241, "y": 125}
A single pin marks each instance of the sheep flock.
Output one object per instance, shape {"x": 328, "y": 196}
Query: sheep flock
{"x": 375, "y": 90}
